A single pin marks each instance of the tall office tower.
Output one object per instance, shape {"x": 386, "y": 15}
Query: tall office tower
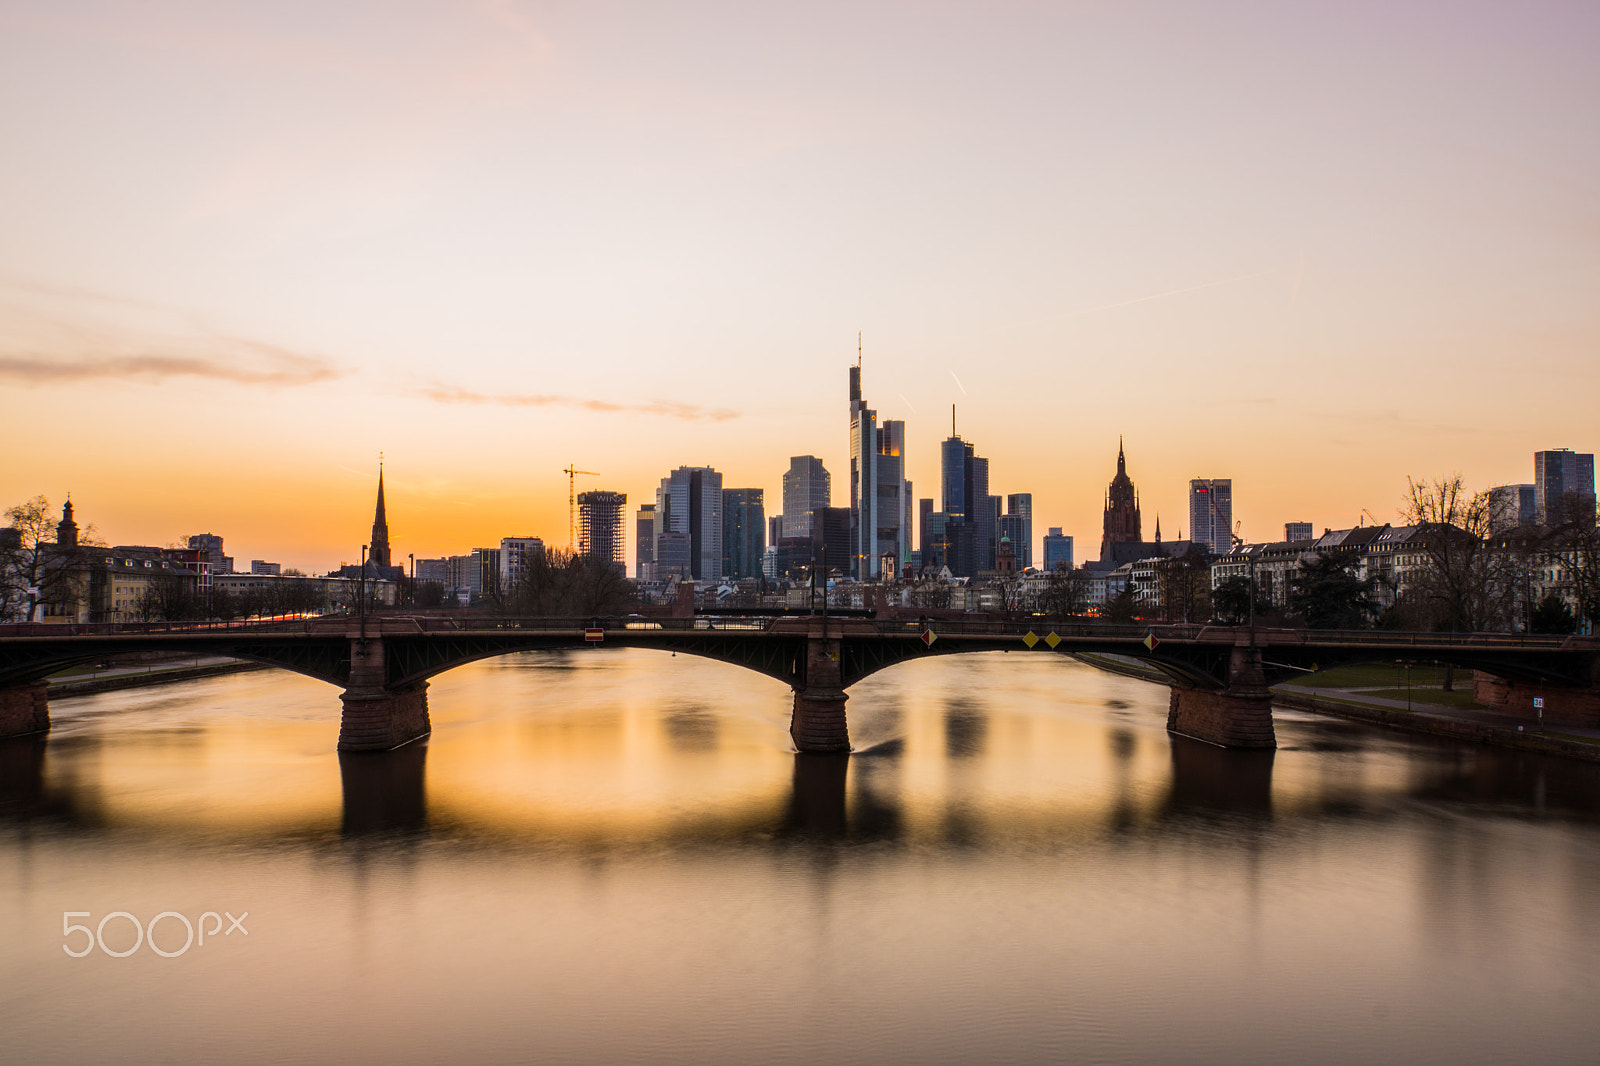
{"x": 877, "y": 488}
{"x": 644, "y": 542}
{"x": 774, "y": 529}
{"x": 379, "y": 555}
{"x": 1122, "y": 510}
{"x": 744, "y": 532}
{"x": 600, "y": 527}
{"x": 1057, "y": 549}
{"x": 1563, "y": 473}
{"x": 672, "y": 556}
{"x": 969, "y": 511}
{"x": 1297, "y": 531}
{"x": 516, "y": 555}
{"x": 211, "y": 544}
{"x": 1511, "y": 506}
{"x": 831, "y": 533}
{"x": 924, "y": 520}
{"x": 689, "y": 501}
{"x": 1211, "y": 513}
{"x": 807, "y": 486}
{"x": 1019, "y": 506}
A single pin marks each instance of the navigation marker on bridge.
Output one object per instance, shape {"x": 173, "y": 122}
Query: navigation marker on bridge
{"x": 1052, "y": 640}
{"x": 928, "y": 637}
{"x": 1031, "y": 639}
{"x": 594, "y": 634}
{"x": 1150, "y": 642}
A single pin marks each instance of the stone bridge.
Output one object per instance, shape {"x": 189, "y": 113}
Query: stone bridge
{"x": 1219, "y": 675}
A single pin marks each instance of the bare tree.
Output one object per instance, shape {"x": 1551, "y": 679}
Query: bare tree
{"x": 1572, "y": 546}
{"x": 1465, "y": 581}
{"x": 1065, "y": 593}
{"x": 34, "y": 570}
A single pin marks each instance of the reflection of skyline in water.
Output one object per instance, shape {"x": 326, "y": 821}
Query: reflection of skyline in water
{"x": 1016, "y": 863}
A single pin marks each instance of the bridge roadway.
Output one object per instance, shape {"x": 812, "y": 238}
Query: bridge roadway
{"x": 1219, "y": 675}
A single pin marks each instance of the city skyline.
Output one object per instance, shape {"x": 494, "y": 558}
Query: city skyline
{"x": 249, "y": 249}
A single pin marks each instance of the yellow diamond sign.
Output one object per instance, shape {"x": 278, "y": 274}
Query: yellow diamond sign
{"x": 1031, "y": 639}
{"x": 1052, "y": 640}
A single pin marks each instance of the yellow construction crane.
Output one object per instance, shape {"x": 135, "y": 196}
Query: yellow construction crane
{"x": 572, "y": 504}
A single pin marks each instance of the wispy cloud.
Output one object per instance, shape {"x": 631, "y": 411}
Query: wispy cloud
{"x": 688, "y": 412}
{"x": 50, "y": 335}
{"x": 283, "y": 368}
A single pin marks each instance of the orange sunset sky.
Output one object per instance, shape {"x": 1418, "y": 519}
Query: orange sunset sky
{"x": 1311, "y": 247}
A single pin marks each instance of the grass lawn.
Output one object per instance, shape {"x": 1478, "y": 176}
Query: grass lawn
{"x": 1376, "y": 675}
{"x": 1459, "y": 699}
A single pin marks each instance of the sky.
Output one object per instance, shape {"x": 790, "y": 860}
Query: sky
{"x": 1317, "y": 248}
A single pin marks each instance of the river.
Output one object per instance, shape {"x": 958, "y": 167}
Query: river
{"x": 615, "y": 857}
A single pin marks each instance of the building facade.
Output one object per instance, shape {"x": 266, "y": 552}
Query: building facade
{"x": 1560, "y": 474}
{"x": 879, "y": 494}
{"x": 600, "y": 526}
{"x": 689, "y": 501}
{"x": 1211, "y": 513}
{"x": 1057, "y": 549}
{"x": 744, "y": 532}
{"x": 807, "y": 487}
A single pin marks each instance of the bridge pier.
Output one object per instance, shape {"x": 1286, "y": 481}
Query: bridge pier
{"x": 818, "y": 723}
{"x": 1570, "y": 706}
{"x": 24, "y": 709}
{"x": 378, "y": 717}
{"x": 1239, "y": 716}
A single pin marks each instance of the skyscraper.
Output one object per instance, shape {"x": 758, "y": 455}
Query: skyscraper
{"x": 600, "y": 533}
{"x": 1017, "y": 523}
{"x": 970, "y": 521}
{"x": 807, "y": 486}
{"x": 689, "y": 502}
{"x": 644, "y": 542}
{"x": 1057, "y": 549}
{"x": 1511, "y": 506}
{"x": 1211, "y": 513}
{"x": 1122, "y": 509}
{"x": 744, "y": 532}
{"x": 1561, "y": 473}
{"x": 1297, "y": 531}
{"x": 878, "y": 490}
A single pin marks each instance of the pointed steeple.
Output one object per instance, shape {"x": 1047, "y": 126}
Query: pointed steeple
{"x": 379, "y": 555}
{"x": 1122, "y": 462}
{"x": 1158, "y": 528}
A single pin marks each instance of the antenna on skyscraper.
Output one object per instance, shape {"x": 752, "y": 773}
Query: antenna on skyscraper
{"x": 858, "y": 349}
{"x": 952, "y": 420}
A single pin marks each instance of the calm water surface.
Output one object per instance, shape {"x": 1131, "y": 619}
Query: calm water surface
{"x": 614, "y": 857}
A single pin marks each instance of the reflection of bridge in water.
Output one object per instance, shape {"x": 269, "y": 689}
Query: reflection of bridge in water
{"x": 857, "y": 799}
{"x": 1218, "y": 675}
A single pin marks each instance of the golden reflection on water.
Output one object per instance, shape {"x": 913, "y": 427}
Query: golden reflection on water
{"x": 616, "y": 856}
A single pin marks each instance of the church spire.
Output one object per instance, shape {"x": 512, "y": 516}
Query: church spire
{"x": 379, "y": 555}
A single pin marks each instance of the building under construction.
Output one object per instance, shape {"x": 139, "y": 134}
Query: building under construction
{"x": 600, "y": 528}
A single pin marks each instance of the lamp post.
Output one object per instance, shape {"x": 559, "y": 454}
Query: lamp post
{"x": 1250, "y": 563}
{"x": 361, "y": 593}
{"x": 411, "y": 597}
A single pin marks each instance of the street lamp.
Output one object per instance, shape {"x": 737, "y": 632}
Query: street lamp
{"x": 1250, "y": 561}
{"x": 361, "y": 593}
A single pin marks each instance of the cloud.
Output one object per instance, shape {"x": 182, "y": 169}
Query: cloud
{"x": 289, "y": 369}
{"x": 687, "y": 411}
{"x": 51, "y": 335}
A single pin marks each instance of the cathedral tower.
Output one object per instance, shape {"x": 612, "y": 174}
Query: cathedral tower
{"x": 379, "y": 555}
{"x": 1122, "y": 509}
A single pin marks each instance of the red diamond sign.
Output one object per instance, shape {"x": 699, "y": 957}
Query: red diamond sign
{"x": 1150, "y": 642}
{"x": 928, "y": 637}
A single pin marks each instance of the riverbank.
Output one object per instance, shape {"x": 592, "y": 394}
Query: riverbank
{"x": 119, "y": 678}
{"x": 1419, "y": 715}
